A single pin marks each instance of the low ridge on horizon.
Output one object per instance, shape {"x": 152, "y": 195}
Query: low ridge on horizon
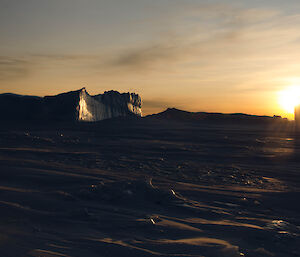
{"x": 176, "y": 111}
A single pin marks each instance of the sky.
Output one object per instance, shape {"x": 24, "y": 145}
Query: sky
{"x": 217, "y": 56}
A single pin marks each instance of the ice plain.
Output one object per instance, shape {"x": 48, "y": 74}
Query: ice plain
{"x": 149, "y": 188}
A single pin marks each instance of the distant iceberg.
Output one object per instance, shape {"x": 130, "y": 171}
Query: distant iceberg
{"x": 71, "y": 106}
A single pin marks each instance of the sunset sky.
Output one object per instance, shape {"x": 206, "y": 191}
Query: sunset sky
{"x": 217, "y": 56}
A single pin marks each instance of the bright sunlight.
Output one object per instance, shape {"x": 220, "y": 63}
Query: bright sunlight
{"x": 289, "y": 98}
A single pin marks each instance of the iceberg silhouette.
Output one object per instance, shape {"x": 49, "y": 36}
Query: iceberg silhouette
{"x": 71, "y": 106}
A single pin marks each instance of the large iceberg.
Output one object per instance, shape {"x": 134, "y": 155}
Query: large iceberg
{"x": 108, "y": 105}
{"x": 71, "y": 106}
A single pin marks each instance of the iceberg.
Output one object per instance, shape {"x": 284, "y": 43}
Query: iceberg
{"x": 71, "y": 106}
{"x": 108, "y": 105}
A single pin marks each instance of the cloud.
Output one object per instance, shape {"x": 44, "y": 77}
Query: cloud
{"x": 20, "y": 67}
{"x": 145, "y": 57}
{"x": 62, "y": 57}
{"x": 207, "y": 34}
{"x": 14, "y": 68}
{"x": 201, "y": 40}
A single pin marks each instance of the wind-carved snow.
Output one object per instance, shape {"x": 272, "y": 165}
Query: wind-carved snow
{"x": 108, "y": 105}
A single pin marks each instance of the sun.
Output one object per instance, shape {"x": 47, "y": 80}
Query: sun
{"x": 289, "y": 98}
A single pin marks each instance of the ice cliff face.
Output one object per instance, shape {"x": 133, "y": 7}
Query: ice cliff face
{"x": 71, "y": 106}
{"x": 108, "y": 105}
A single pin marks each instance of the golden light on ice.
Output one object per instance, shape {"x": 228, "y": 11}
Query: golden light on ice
{"x": 289, "y": 98}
